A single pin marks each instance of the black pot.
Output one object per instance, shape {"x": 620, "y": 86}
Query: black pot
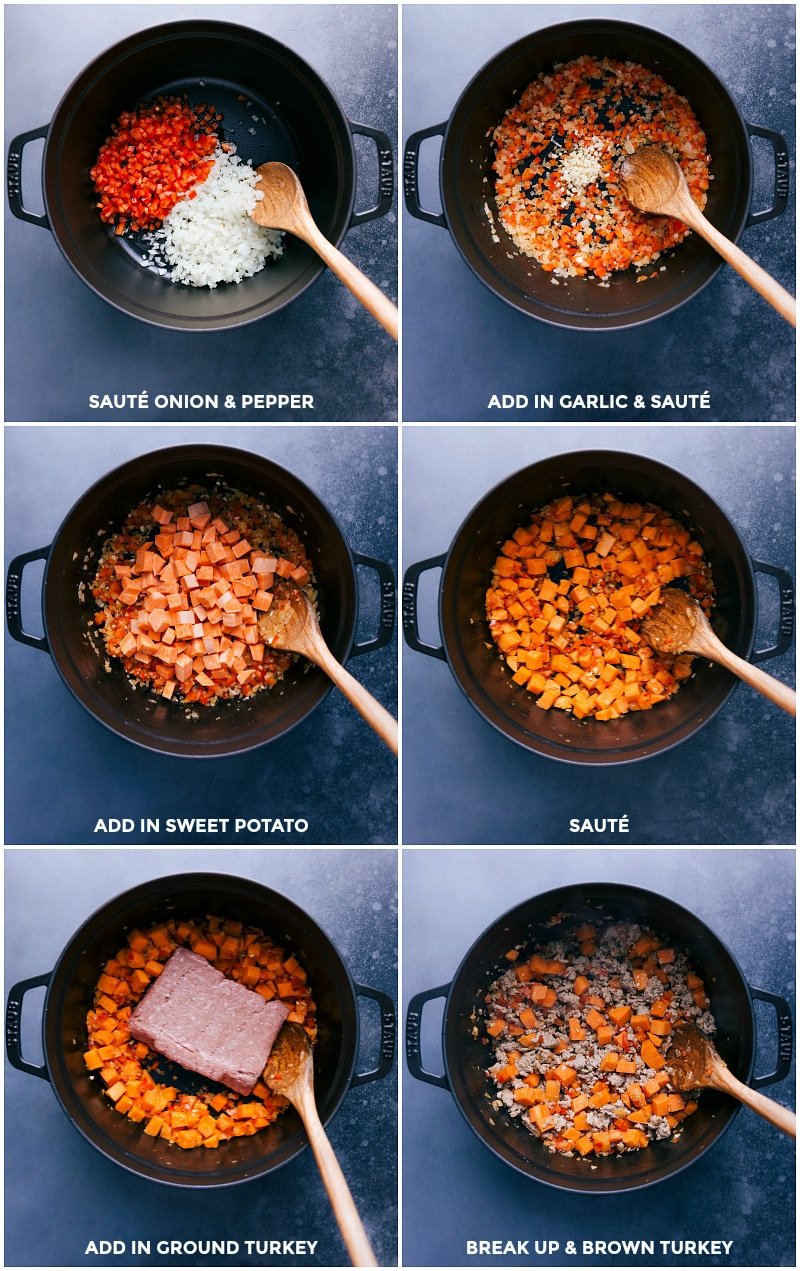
{"x": 231, "y": 727}
{"x": 466, "y": 1058}
{"x": 297, "y": 120}
{"x": 70, "y": 989}
{"x": 466, "y": 180}
{"x": 481, "y": 672}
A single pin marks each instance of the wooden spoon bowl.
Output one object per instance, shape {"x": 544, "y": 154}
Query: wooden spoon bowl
{"x": 291, "y": 624}
{"x": 678, "y": 625}
{"x": 653, "y": 182}
{"x": 283, "y": 206}
{"x": 694, "y": 1063}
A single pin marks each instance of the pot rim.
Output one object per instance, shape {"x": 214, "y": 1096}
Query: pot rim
{"x": 87, "y": 79}
{"x": 573, "y": 758}
{"x": 198, "y": 880}
{"x": 631, "y": 890}
{"x": 608, "y": 24}
{"x": 217, "y": 453}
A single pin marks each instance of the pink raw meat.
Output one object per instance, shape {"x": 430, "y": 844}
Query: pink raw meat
{"x": 196, "y": 1017}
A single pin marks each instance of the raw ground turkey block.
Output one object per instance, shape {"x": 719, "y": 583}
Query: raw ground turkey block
{"x": 196, "y": 1017}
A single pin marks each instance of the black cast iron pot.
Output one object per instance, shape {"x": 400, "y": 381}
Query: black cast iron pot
{"x": 67, "y": 606}
{"x": 275, "y": 107}
{"x": 466, "y": 1058}
{"x": 466, "y": 179}
{"x": 481, "y": 672}
{"x": 70, "y": 988}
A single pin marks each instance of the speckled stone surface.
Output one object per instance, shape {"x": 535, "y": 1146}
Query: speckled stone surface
{"x": 462, "y": 344}
{"x": 63, "y": 342}
{"x": 733, "y": 782}
{"x": 454, "y": 1189}
{"x": 332, "y": 769}
{"x": 51, "y": 1171}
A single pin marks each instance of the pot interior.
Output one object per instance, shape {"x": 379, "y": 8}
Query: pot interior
{"x": 467, "y": 1057}
{"x": 78, "y": 651}
{"x": 481, "y": 670}
{"x": 70, "y": 996}
{"x": 467, "y": 179}
{"x": 274, "y": 106}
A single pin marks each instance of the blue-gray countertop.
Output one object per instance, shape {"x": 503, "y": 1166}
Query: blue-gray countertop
{"x": 64, "y": 343}
{"x": 462, "y": 344}
{"x": 331, "y": 770}
{"x": 61, "y": 1193}
{"x": 732, "y": 782}
{"x": 454, "y": 1189}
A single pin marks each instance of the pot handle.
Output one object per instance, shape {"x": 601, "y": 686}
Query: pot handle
{"x": 14, "y": 1026}
{"x": 786, "y": 616}
{"x": 388, "y": 1037}
{"x": 785, "y": 1038}
{"x": 383, "y": 146}
{"x": 410, "y": 626}
{"x": 411, "y": 174}
{"x": 413, "y": 1029}
{"x": 14, "y": 598}
{"x": 780, "y": 194}
{"x": 14, "y": 177}
{"x": 388, "y": 605}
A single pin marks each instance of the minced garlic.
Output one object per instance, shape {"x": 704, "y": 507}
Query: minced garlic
{"x": 581, "y": 166}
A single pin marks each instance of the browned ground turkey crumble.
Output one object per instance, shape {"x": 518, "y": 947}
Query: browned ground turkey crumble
{"x": 580, "y": 1028}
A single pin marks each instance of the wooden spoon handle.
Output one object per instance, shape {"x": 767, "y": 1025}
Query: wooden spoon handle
{"x": 365, "y": 291}
{"x": 767, "y": 685}
{"x": 782, "y": 1117}
{"x": 347, "y": 1216}
{"x": 377, "y": 716}
{"x": 758, "y": 278}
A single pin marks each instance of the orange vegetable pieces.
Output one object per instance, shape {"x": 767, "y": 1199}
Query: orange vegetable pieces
{"x": 620, "y": 1014}
{"x": 595, "y": 1020}
{"x": 186, "y": 1120}
{"x": 573, "y": 642}
{"x": 565, "y": 1074}
{"x": 185, "y": 618}
{"x": 526, "y": 1096}
{"x": 652, "y": 1055}
{"x": 505, "y": 1073}
{"x": 558, "y": 1100}
{"x": 576, "y": 1031}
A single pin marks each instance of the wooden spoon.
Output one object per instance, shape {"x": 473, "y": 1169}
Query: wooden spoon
{"x": 284, "y": 206}
{"x": 290, "y": 1072}
{"x": 652, "y": 181}
{"x": 291, "y": 624}
{"x": 693, "y": 1063}
{"x": 678, "y": 625}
